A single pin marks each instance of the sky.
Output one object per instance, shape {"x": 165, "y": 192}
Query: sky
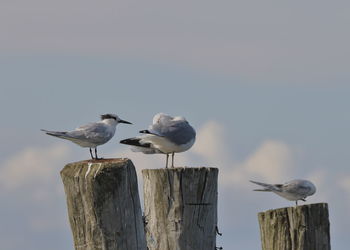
{"x": 264, "y": 83}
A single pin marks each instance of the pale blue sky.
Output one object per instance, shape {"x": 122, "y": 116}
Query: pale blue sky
{"x": 266, "y": 85}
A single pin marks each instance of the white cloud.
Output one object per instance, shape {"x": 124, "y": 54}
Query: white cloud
{"x": 32, "y": 166}
{"x": 34, "y": 172}
{"x": 210, "y": 143}
{"x": 30, "y": 181}
{"x": 272, "y": 161}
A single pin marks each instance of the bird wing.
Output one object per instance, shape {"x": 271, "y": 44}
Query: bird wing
{"x": 93, "y": 132}
{"x": 268, "y": 187}
{"x": 296, "y": 187}
{"x": 177, "y": 131}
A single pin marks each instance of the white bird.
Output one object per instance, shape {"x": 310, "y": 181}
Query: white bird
{"x": 292, "y": 190}
{"x": 92, "y": 134}
{"x": 167, "y": 135}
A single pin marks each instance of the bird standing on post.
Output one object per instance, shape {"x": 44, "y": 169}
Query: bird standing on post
{"x": 92, "y": 134}
{"x": 292, "y": 190}
{"x": 167, "y": 135}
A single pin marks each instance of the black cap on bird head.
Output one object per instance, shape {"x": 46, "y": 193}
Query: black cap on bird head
{"x": 109, "y": 116}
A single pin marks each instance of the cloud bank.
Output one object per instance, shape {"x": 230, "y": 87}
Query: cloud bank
{"x": 32, "y": 176}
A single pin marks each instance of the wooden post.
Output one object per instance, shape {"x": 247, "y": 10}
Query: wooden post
{"x": 103, "y": 205}
{"x": 180, "y": 208}
{"x": 295, "y": 228}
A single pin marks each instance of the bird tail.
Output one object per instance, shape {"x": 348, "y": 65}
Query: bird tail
{"x": 135, "y": 142}
{"x": 55, "y": 133}
{"x": 139, "y": 146}
{"x": 267, "y": 187}
{"x": 262, "y": 190}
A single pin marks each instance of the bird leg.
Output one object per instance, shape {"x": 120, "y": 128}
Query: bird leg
{"x": 296, "y": 203}
{"x": 96, "y": 157}
{"x": 172, "y": 160}
{"x": 92, "y": 157}
{"x": 167, "y": 158}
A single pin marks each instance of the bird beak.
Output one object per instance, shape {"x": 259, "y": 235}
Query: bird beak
{"x": 122, "y": 121}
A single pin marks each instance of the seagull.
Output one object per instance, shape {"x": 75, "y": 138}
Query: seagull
{"x": 292, "y": 190}
{"x": 92, "y": 134}
{"x": 167, "y": 135}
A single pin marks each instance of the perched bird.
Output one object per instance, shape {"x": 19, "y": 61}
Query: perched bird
{"x": 92, "y": 134}
{"x": 292, "y": 190}
{"x": 167, "y": 135}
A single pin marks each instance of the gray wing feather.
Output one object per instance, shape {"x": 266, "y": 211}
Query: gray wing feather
{"x": 296, "y": 188}
{"x": 96, "y": 132}
{"x": 179, "y": 132}
{"x": 268, "y": 187}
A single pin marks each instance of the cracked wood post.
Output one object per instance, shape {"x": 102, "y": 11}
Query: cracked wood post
{"x": 295, "y": 228}
{"x": 103, "y": 205}
{"x": 181, "y": 208}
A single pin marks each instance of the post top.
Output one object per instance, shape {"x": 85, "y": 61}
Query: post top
{"x": 88, "y": 166}
{"x": 180, "y": 169}
{"x": 103, "y": 160}
{"x": 300, "y": 208}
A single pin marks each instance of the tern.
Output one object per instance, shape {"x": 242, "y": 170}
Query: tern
{"x": 167, "y": 135}
{"x": 292, "y": 190}
{"x": 92, "y": 134}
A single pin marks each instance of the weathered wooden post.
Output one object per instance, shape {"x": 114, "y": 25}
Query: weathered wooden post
{"x": 180, "y": 208}
{"x": 103, "y": 205}
{"x": 295, "y": 228}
